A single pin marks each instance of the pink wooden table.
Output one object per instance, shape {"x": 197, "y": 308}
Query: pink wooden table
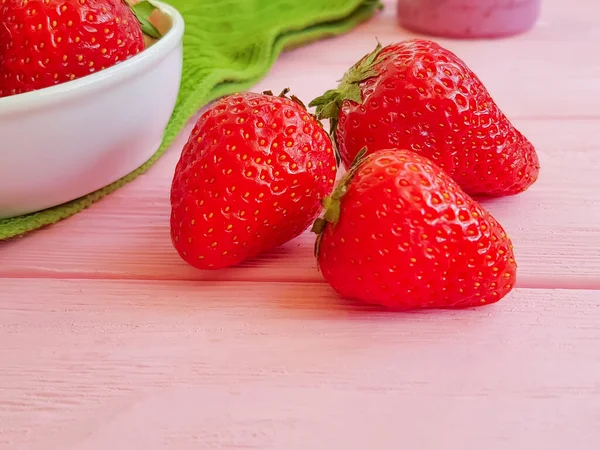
{"x": 110, "y": 341}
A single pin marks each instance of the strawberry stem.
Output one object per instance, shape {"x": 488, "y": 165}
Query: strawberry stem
{"x": 332, "y": 204}
{"x": 284, "y": 94}
{"x": 328, "y": 105}
{"x": 142, "y": 11}
{"x": 298, "y": 101}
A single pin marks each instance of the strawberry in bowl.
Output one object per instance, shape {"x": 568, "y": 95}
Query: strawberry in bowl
{"x": 48, "y": 42}
{"x": 79, "y": 108}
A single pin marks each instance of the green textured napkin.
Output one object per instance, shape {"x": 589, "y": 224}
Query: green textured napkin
{"x": 229, "y": 45}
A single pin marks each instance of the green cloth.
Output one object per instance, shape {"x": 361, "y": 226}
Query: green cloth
{"x": 229, "y": 45}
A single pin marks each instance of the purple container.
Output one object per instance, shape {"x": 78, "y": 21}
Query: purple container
{"x": 468, "y": 19}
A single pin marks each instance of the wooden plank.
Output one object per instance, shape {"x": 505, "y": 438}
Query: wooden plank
{"x": 99, "y": 364}
{"x": 555, "y": 227}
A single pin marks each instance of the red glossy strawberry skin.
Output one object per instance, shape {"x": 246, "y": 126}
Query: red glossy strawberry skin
{"x": 251, "y": 177}
{"x": 420, "y": 96}
{"x": 47, "y": 42}
{"x": 408, "y": 237}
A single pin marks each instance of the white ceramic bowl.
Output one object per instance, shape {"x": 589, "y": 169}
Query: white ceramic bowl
{"x": 65, "y": 141}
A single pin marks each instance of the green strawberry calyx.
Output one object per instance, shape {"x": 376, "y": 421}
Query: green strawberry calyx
{"x": 328, "y": 105}
{"x": 142, "y": 11}
{"x": 293, "y": 98}
{"x": 284, "y": 94}
{"x": 332, "y": 204}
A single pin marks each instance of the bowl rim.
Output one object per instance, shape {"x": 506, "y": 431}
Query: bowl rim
{"x": 103, "y": 79}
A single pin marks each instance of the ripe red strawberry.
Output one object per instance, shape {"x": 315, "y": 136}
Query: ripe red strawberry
{"x": 251, "y": 177}
{"x": 48, "y": 42}
{"x": 399, "y": 232}
{"x": 420, "y": 96}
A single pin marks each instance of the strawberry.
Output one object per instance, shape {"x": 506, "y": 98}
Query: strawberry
{"x": 48, "y": 42}
{"x": 420, "y": 96}
{"x": 399, "y": 232}
{"x": 250, "y": 178}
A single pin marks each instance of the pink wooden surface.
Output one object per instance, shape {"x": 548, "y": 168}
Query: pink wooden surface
{"x": 96, "y": 364}
{"x": 110, "y": 341}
